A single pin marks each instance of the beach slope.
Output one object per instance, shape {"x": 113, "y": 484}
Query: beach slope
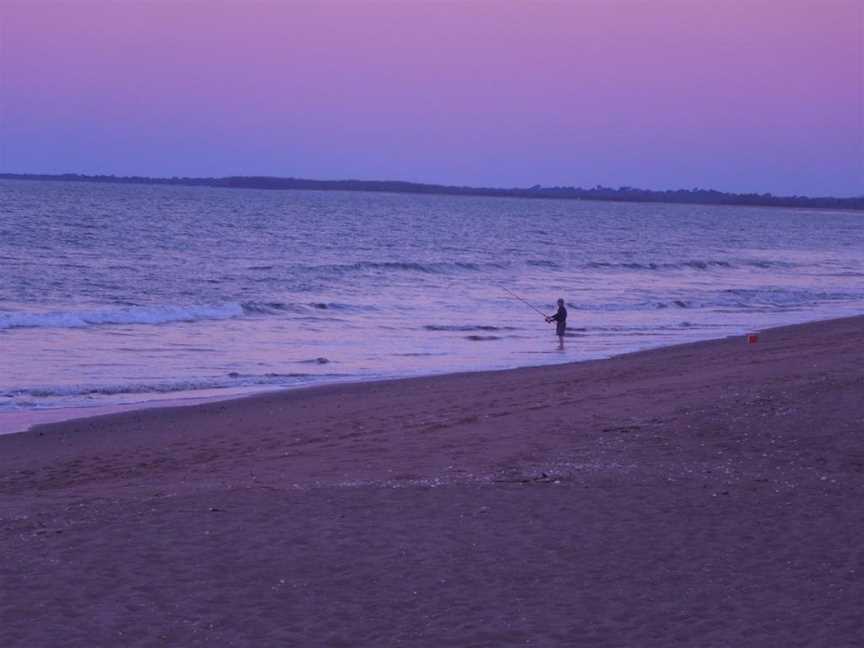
{"x": 708, "y": 494}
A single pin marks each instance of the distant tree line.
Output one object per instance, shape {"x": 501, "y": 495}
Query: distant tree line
{"x": 621, "y": 194}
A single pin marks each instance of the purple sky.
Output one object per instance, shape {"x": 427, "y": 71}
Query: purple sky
{"x": 744, "y": 95}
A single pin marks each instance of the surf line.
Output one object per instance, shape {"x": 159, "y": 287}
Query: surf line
{"x": 531, "y": 306}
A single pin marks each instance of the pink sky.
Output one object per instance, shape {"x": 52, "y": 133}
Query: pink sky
{"x": 749, "y": 95}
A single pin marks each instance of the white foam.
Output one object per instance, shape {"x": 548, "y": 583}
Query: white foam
{"x": 130, "y": 315}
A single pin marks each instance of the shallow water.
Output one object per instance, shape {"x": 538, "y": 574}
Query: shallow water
{"x": 123, "y": 293}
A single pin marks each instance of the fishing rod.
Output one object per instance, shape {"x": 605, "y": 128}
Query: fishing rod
{"x": 531, "y": 306}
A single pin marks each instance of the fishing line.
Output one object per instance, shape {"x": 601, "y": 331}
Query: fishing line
{"x": 523, "y": 301}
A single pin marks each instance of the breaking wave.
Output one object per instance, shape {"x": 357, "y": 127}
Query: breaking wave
{"x": 232, "y": 380}
{"x": 161, "y": 314}
{"x": 129, "y": 316}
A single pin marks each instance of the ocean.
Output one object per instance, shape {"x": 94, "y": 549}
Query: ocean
{"x": 117, "y": 294}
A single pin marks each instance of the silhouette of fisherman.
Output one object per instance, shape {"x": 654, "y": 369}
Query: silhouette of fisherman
{"x": 560, "y": 319}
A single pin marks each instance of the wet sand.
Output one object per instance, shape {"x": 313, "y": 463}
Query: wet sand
{"x": 705, "y": 495}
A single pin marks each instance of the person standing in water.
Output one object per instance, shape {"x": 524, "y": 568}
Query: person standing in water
{"x": 560, "y": 319}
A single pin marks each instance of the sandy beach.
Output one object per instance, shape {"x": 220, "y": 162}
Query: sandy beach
{"x": 707, "y": 494}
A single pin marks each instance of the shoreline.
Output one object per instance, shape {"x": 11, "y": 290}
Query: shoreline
{"x": 23, "y": 421}
{"x": 709, "y": 493}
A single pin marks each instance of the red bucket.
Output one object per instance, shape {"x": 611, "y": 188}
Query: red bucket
{"x": 752, "y": 339}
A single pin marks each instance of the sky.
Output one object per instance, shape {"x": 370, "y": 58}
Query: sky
{"x": 736, "y": 95}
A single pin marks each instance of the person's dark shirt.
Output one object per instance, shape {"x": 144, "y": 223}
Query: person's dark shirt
{"x": 560, "y": 316}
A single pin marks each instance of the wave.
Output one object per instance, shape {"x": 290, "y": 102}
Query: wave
{"x": 845, "y": 274}
{"x": 745, "y": 299}
{"x": 741, "y": 299}
{"x": 276, "y": 308}
{"x": 694, "y": 264}
{"x": 434, "y": 267}
{"x": 268, "y": 308}
{"x": 231, "y": 380}
{"x": 542, "y": 263}
{"x": 648, "y": 329}
{"x": 162, "y": 314}
{"x": 625, "y": 306}
{"x": 749, "y": 297}
{"x": 130, "y": 316}
{"x": 770, "y": 264}
{"x": 340, "y": 307}
{"x": 320, "y": 361}
{"x": 466, "y": 328}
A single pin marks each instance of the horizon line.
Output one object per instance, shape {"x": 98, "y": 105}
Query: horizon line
{"x": 622, "y": 193}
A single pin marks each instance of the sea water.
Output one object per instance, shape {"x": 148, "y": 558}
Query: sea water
{"x": 115, "y": 294}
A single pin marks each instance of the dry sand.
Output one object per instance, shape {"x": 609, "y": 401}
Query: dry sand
{"x": 701, "y": 495}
